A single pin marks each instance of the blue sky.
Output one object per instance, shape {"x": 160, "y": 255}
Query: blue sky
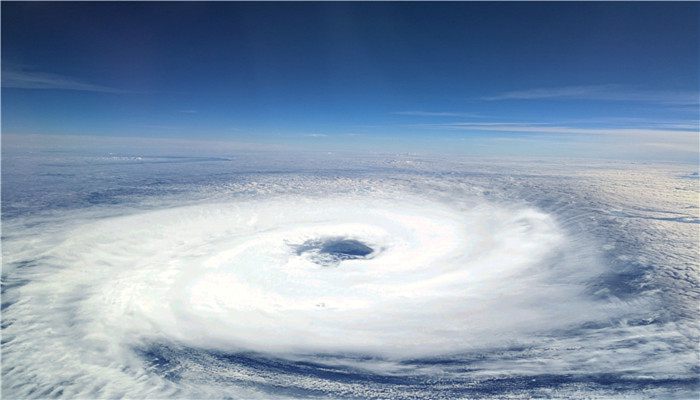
{"x": 579, "y": 79}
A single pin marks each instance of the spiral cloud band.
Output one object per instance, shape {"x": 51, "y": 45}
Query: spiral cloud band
{"x": 227, "y": 275}
{"x": 348, "y": 287}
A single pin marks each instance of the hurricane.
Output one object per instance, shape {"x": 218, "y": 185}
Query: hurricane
{"x": 386, "y": 278}
{"x": 349, "y": 200}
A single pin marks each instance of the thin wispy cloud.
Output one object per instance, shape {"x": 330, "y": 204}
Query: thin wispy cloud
{"x": 161, "y": 127}
{"x": 689, "y": 125}
{"x": 602, "y": 93}
{"x": 315, "y": 135}
{"x": 434, "y": 114}
{"x": 554, "y": 129}
{"x": 21, "y": 79}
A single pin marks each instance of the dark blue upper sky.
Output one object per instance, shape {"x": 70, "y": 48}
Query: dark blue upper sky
{"x": 344, "y": 73}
